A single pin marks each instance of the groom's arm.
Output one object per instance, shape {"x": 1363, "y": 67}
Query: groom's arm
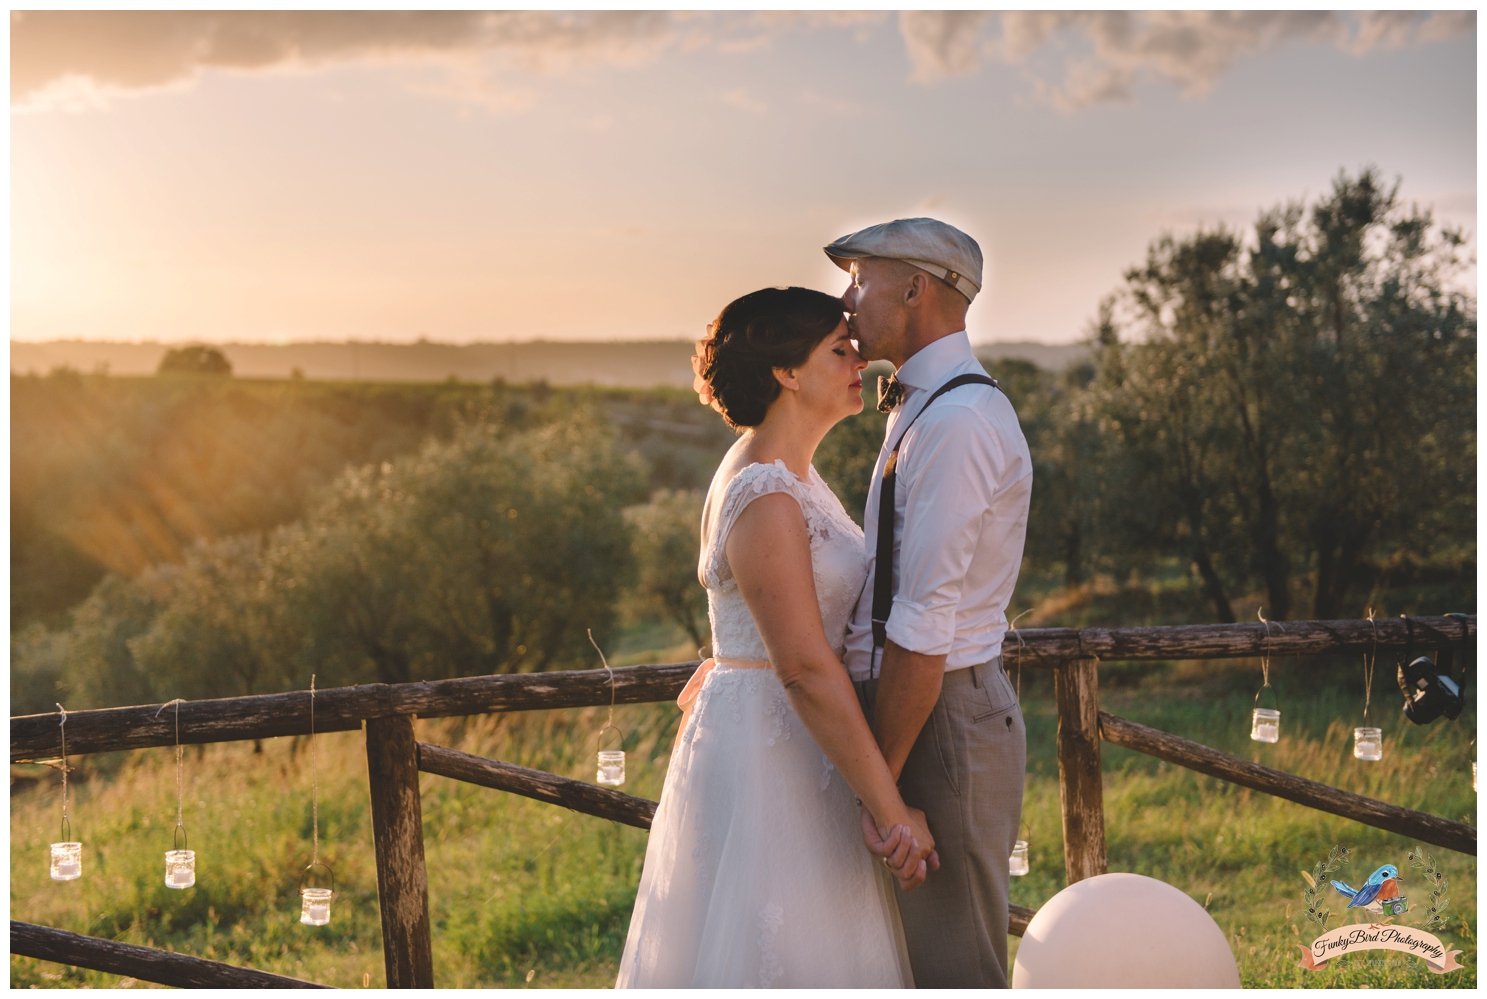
{"x": 908, "y": 687}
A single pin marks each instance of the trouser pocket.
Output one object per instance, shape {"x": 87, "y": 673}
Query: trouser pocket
{"x": 994, "y": 696}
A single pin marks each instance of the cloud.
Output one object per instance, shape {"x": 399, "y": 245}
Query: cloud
{"x": 1107, "y": 52}
{"x": 84, "y": 59}
{"x": 943, "y": 42}
{"x": 79, "y": 59}
{"x": 72, "y": 53}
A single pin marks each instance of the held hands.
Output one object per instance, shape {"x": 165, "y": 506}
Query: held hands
{"x": 901, "y": 849}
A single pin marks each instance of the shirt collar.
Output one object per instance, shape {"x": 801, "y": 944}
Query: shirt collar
{"x": 933, "y": 362}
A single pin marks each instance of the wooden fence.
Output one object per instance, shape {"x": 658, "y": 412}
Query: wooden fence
{"x": 395, "y": 759}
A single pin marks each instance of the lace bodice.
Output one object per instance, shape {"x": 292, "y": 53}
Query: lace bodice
{"x": 838, "y": 558}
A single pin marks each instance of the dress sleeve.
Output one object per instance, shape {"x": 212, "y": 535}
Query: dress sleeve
{"x": 748, "y": 485}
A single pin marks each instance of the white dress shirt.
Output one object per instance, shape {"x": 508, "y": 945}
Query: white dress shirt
{"x": 965, "y": 479}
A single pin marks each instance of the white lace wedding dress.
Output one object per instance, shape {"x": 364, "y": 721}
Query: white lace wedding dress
{"x": 755, "y": 873}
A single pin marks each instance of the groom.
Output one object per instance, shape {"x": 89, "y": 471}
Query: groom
{"x": 925, "y": 643}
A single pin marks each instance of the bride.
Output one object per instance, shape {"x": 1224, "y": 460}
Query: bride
{"x": 756, "y": 873}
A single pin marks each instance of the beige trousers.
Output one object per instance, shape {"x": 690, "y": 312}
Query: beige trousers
{"x": 965, "y": 772}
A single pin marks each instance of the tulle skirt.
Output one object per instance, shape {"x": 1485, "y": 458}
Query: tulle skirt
{"x": 755, "y": 873}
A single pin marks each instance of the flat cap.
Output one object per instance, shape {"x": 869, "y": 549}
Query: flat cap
{"x": 928, "y": 244}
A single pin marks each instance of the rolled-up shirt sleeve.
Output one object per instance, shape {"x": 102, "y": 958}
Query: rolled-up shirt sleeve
{"x": 949, "y": 476}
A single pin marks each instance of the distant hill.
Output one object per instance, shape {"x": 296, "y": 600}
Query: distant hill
{"x": 632, "y": 364}
{"x": 1048, "y": 356}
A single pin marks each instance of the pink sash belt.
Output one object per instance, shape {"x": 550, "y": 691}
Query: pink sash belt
{"x": 689, "y": 693}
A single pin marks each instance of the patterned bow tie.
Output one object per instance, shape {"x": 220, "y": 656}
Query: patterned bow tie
{"x": 890, "y": 392}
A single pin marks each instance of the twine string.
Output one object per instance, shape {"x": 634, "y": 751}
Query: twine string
{"x": 609, "y": 724}
{"x": 1369, "y": 661}
{"x": 314, "y": 805}
{"x": 66, "y": 823}
{"x": 1265, "y": 659}
{"x": 180, "y": 794}
{"x": 1018, "y": 635}
{"x": 314, "y": 784}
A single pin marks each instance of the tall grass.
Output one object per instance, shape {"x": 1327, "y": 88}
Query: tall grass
{"x": 524, "y": 893}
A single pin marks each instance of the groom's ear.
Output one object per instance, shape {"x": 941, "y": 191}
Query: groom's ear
{"x": 917, "y": 288}
{"x": 787, "y": 378}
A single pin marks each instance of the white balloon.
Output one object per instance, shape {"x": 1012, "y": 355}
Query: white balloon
{"x": 1123, "y": 931}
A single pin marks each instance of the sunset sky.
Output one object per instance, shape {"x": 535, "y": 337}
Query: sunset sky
{"x": 467, "y": 176}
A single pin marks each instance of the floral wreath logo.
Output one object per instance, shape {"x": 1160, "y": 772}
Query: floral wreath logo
{"x": 1381, "y": 895}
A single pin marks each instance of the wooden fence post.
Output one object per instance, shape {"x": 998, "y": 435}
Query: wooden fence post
{"x": 1081, "y": 797}
{"x": 397, "y": 830}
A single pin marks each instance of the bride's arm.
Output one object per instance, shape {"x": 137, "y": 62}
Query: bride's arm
{"x": 769, "y": 551}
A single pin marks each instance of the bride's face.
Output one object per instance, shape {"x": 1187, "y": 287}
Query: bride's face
{"x": 830, "y": 380}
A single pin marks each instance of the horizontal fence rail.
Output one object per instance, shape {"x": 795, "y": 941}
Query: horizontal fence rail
{"x": 539, "y": 784}
{"x": 1323, "y": 797}
{"x": 1235, "y": 641}
{"x": 339, "y": 709}
{"x": 146, "y": 964}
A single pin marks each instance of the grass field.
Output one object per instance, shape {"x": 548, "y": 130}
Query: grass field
{"x": 525, "y": 894}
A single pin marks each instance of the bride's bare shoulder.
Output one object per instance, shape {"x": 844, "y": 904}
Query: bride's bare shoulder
{"x": 770, "y": 529}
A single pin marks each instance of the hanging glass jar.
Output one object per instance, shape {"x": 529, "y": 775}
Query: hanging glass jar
{"x": 611, "y": 772}
{"x": 314, "y": 901}
{"x": 611, "y": 761}
{"x": 611, "y": 767}
{"x": 1018, "y": 865}
{"x": 1368, "y": 740}
{"x": 1265, "y": 723}
{"x": 314, "y": 905}
{"x": 180, "y": 863}
{"x": 67, "y": 856}
{"x": 1368, "y": 743}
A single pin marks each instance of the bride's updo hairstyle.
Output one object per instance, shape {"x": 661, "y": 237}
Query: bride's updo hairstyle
{"x": 753, "y": 335}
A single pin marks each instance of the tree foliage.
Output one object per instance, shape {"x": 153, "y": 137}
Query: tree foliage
{"x": 491, "y": 552}
{"x": 666, "y": 539}
{"x": 1298, "y": 405}
{"x": 117, "y": 474}
{"x": 195, "y": 360}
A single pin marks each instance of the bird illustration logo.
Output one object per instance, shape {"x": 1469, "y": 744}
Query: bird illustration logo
{"x": 1382, "y": 886}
